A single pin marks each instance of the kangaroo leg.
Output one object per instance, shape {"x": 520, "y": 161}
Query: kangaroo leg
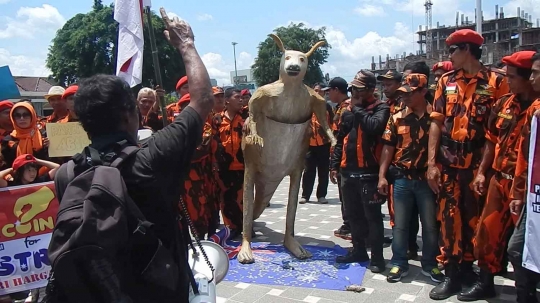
{"x": 245, "y": 255}
{"x": 264, "y": 192}
{"x": 290, "y": 242}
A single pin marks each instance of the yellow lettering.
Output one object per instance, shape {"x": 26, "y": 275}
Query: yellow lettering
{"x": 46, "y": 224}
{"x": 38, "y": 202}
{"x": 38, "y": 225}
{"x": 6, "y": 230}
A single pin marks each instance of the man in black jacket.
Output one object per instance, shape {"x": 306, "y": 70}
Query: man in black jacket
{"x": 153, "y": 175}
{"x": 356, "y": 155}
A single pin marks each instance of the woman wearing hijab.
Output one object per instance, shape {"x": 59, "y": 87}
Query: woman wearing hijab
{"x": 26, "y": 137}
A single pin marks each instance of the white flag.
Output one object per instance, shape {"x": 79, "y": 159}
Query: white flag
{"x": 129, "y": 64}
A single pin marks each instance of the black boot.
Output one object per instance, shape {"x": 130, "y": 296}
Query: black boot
{"x": 357, "y": 254}
{"x": 484, "y": 288}
{"x": 467, "y": 275}
{"x": 450, "y": 286}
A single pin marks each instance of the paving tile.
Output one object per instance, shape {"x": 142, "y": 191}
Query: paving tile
{"x": 251, "y": 294}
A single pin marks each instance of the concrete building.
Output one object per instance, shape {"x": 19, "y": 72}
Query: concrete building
{"x": 244, "y": 80}
{"x": 502, "y": 36}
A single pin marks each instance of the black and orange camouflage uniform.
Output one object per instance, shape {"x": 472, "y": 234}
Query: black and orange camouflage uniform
{"x": 201, "y": 192}
{"x": 317, "y": 158}
{"x": 345, "y": 230}
{"x": 395, "y": 107}
{"x": 504, "y": 127}
{"x": 231, "y": 167}
{"x": 462, "y": 106}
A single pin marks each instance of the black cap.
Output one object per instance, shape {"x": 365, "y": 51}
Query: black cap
{"x": 338, "y": 83}
{"x": 391, "y": 74}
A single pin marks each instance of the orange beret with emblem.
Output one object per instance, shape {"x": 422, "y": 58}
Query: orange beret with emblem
{"x": 465, "y": 36}
{"x": 444, "y": 65}
{"x": 522, "y": 59}
{"x": 181, "y": 82}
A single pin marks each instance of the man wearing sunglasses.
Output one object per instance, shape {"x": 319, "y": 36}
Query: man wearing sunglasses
{"x": 356, "y": 156}
{"x": 463, "y": 102}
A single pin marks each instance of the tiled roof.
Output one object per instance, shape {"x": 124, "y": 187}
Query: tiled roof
{"x": 34, "y": 84}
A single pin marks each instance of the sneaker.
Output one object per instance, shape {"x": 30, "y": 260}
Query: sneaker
{"x": 303, "y": 201}
{"x": 435, "y": 274}
{"x": 322, "y": 200}
{"x": 377, "y": 266}
{"x": 353, "y": 256}
{"x": 396, "y": 274}
{"x": 343, "y": 232}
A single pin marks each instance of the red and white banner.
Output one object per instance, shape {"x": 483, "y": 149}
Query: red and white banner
{"x": 129, "y": 64}
{"x": 531, "y": 250}
{"x": 27, "y": 218}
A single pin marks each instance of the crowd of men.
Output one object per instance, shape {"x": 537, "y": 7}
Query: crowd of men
{"x": 452, "y": 155}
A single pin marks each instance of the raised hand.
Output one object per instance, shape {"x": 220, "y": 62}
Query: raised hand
{"x": 177, "y": 31}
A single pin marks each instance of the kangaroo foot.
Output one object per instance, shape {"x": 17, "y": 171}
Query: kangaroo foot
{"x": 245, "y": 256}
{"x": 295, "y": 248}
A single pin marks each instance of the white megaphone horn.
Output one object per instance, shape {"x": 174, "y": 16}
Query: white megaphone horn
{"x": 204, "y": 277}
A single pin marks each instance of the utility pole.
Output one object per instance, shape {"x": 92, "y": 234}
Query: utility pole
{"x": 235, "y": 70}
{"x": 479, "y": 16}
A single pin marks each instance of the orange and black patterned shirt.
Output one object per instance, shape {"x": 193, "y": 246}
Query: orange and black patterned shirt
{"x": 504, "y": 128}
{"x": 519, "y": 186}
{"x": 340, "y": 108}
{"x": 462, "y": 106}
{"x": 230, "y": 134}
{"x": 318, "y": 134}
{"x": 395, "y": 105}
{"x": 409, "y": 134}
{"x": 358, "y": 148}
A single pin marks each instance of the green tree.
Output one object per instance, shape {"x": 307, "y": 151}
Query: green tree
{"x": 294, "y": 37}
{"x": 87, "y": 45}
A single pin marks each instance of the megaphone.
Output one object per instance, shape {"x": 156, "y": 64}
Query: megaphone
{"x": 204, "y": 277}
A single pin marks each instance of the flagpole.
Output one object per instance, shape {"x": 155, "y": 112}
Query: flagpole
{"x": 155, "y": 59}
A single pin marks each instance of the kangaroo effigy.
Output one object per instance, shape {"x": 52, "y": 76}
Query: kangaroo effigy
{"x": 276, "y": 142}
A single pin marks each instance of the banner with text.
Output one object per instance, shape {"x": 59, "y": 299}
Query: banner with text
{"x": 27, "y": 217}
{"x": 531, "y": 251}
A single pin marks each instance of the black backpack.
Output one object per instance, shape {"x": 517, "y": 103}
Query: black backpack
{"x": 102, "y": 248}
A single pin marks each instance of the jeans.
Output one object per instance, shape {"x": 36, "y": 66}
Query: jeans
{"x": 408, "y": 193}
{"x": 526, "y": 280}
{"x": 317, "y": 160}
{"x": 365, "y": 218}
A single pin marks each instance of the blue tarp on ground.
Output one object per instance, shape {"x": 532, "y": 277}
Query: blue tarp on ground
{"x": 274, "y": 265}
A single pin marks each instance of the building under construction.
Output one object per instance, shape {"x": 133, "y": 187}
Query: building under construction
{"x": 502, "y": 36}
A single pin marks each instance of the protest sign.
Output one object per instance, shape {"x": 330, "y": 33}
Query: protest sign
{"x": 8, "y": 87}
{"x": 531, "y": 251}
{"x": 66, "y": 139}
{"x": 27, "y": 218}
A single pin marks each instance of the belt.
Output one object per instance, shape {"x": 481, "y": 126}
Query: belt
{"x": 413, "y": 173}
{"x": 465, "y": 146}
{"x": 505, "y": 176}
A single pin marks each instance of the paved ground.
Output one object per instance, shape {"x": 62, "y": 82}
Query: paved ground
{"x": 314, "y": 225}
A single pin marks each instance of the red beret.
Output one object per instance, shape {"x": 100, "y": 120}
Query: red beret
{"x": 70, "y": 91}
{"x": 5, "y": 105}
{"x": 521, "y": 59}
{"x": 444, "y": 65}
{"x": 22, "y": 160}
{"x": 245, "y": 92}
{"x": 185, "y": 98}
{"x": 464, "y": 36}
{"x": 181, "y": 82}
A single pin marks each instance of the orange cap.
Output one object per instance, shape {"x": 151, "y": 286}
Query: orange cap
{"x": 521, "y": 59}
{"x": 464, "y": 36}
{"x": 70, "y": 91}
{"x": 413, "y": 82}
{"x": 181, "y": 82}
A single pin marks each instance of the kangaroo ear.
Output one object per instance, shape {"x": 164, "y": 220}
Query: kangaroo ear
{"x": 315, "y": 47}
{"x": 278, "y": 42}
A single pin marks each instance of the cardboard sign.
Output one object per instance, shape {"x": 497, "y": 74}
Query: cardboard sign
{"x": 27, "y": 218}
{"x": 8, "y": 87}
{"x": 66, "y": 139}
